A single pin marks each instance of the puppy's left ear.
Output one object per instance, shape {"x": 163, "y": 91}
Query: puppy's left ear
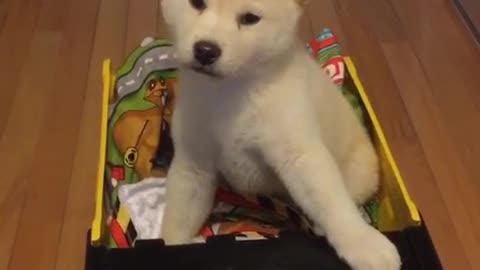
{"x": 169, "y": 8}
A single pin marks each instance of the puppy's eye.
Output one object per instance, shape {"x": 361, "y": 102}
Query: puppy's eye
{"x": 249, "y": 19}
{"x": 198, "y": 4}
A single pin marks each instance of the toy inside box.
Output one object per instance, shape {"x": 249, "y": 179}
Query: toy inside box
{"x": 242, "y": 232}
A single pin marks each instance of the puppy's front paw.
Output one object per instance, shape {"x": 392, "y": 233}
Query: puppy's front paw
{"x": 176, "y": 239}
{"x": 175, "y": 235}
{"x": 370, "y": 250}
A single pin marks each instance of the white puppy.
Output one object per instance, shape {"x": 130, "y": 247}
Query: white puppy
{"x": 253, "y": 106}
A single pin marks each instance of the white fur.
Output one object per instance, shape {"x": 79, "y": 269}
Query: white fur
{"x": 272, "y": 122}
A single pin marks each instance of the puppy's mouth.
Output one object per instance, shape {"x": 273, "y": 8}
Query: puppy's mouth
{"x": 206, "y": 70}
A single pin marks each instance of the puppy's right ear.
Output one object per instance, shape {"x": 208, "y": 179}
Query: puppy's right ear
{"x": 302, "y": 3}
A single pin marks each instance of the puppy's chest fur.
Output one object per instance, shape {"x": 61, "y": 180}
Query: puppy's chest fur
{"x": 239, "y": 128}
{"x": 233, "y": 120}
{"x": 240, "y": 159}
{"x": 231, "y": 125}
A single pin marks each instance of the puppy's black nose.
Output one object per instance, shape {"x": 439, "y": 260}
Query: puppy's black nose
{"x": 206, "y": 53}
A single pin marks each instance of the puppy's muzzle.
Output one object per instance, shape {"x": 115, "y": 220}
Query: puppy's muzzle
{"x": 206, "y": 53}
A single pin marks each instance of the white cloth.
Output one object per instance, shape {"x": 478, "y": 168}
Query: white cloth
{"x": 145, "y": 203}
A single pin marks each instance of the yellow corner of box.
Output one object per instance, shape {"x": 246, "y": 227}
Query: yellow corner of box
{"x": 384, "y": 149}
{"x": 391, "y": 220}
{"x": 107, "y": 91}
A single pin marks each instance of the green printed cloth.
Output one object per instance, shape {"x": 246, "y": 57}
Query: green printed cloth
{"x": 143, "y": 87}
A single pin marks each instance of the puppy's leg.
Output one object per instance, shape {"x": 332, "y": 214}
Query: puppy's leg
{"x": 189, "y": 200}
{"x": 360, "y": 169}
{"x": 315, "y": 182}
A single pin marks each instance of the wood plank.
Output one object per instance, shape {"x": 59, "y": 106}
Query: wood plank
{"x": 16, "y": 126}
{"x": 451, "y": 66}
{"x": 383, "y": 90}
{"x": 53, "y": 15}
{"x": 21, "y": 135}
{"x": 18, "y": 26}
{"x": 305, "y": 28}
{"x": 24, "y": 123}
{"x": 142, "y": 22}
{"x": 453, "y": 177}
{"x": 3, "y": 16}
{"x": 110, "y": 31}
{"x": 451, "y": 69}
{"x": 470, "y": 12}
{"x": 381, "y": 20}
{"x": 461, "y": 197}
{"x": 50, "y": 176}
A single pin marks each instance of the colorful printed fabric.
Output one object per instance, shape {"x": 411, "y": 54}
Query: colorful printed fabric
{"x": 139, "y": 114}
{"x": 246, "y": 218}
{"x": 251, "y": 218}
{"x": 326, "y": 51}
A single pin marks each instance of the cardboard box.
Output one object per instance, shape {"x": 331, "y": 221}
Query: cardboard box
{"x": 394, "y": 212}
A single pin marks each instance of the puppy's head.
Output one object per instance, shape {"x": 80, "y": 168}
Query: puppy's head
{"x": 221, "y": 38}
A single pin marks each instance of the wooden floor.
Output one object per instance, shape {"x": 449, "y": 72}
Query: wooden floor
{"x": 418, "y": 62}
{"x": 470, "y": 10}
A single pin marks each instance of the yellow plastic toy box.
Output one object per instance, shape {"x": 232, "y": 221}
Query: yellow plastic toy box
{"x": 143, "y": 88}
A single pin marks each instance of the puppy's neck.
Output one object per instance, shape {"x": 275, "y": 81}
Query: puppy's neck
{"x": 275, "y": 66}
{"x": 280, "y": 64}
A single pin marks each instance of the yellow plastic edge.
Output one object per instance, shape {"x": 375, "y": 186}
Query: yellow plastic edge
{"x": 108, "y": 79}
{"x": 414, "y": 214}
